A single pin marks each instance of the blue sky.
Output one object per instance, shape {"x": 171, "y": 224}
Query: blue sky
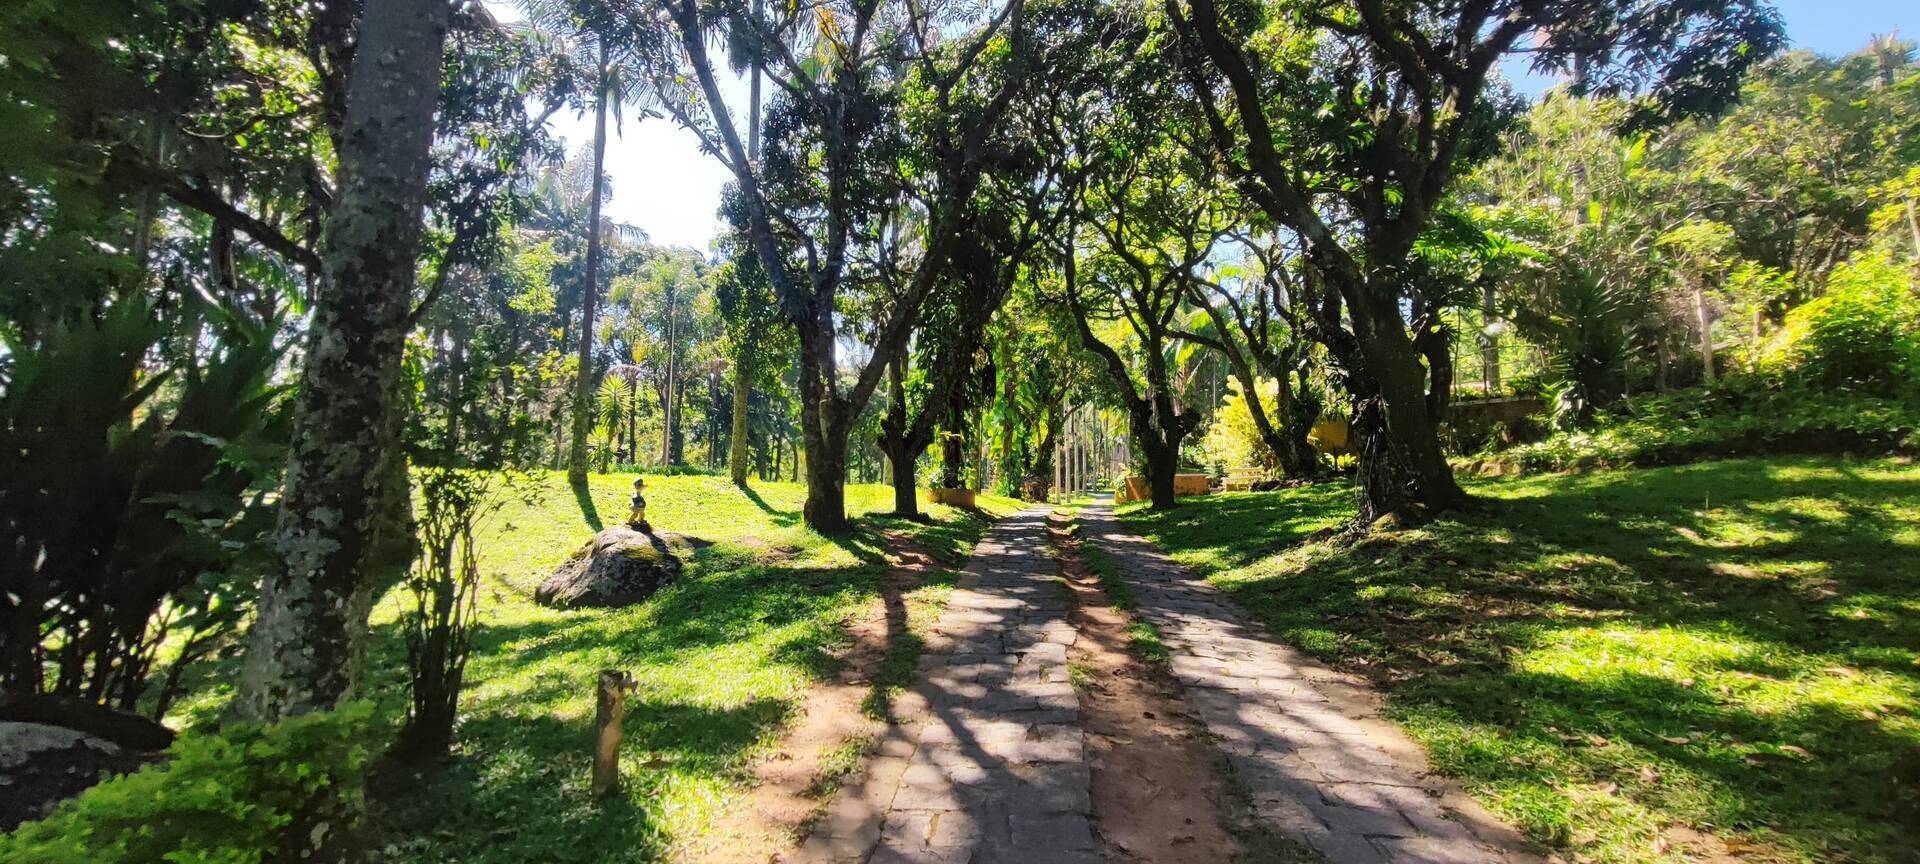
{"x": 1825, "y": 26}
{"x": 663, "y": 184}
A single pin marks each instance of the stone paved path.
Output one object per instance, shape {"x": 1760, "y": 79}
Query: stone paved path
{"x": 1307, "y": 743}
{"x": 989, "y": 764}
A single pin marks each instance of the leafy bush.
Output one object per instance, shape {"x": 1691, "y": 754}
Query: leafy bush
{"x": 1741, "y": 416}
{"x": 665, "y": 470}
{"x": 1232, "y": 440}
{"x": 1862, "y": 334}
{"x": 223, "y": 798}
{"x": 127, "y": 486}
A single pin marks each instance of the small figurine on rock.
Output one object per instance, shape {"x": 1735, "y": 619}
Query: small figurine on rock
{"x": 637, "y": 517}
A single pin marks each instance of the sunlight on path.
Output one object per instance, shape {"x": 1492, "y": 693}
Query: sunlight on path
{"x": 989, "y": 764}
{"x": 1307, "y": 743}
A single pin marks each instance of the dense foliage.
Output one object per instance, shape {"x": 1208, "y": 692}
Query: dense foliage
{"x": 218, "y": 798}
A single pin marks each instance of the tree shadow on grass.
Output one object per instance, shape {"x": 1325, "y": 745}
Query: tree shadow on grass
{"x": 515, "y": 789}
{"x": 583, "y": 496}
{"x": 1810, "y": 777}
{"x": 950, "y": 542}
{"x": 1780, "y": 593}
{"x": 1238, "y": 528}
{"x": 713, "y": 610}
{"x": 782, "y": 518}
{"x": 518, "y": 790}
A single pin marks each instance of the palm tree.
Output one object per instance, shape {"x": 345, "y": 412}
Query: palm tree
{"x": 575, "y": 31}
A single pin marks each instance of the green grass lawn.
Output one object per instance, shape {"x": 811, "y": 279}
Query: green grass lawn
{"x": 1620, "y": 659}
{"x": 722, "y": 658}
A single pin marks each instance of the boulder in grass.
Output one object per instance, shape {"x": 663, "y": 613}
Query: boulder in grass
{"x": 124, "y": 728}
{"x": 620, "y": 566}
{"x": 42, "y": 765}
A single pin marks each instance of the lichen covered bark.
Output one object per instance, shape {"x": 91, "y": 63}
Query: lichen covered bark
{"x": 335, "y": 528}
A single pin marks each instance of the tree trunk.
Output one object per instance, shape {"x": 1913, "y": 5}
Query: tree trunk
{"x": 1287, "y": 439}
{"x": 826, "y": 507}
{"x": 743, "y": 364}
{"x": 457, "y": 384}
{"x": 1411, "y": 430}
{"x": 679, "y": 429}
{"x": 1010, "y": 478}
{"x": 742, "y": 398}
{"x": 894, "y": 440}
{"x": 1383, "y": 478}
{"x": 953, "y": 454}
{"x": 1706, "y": 332}
{"x": 669, "y": 391}
{"x": 304, "y": 647}
{"x": 633, "y": 418}
{"x": 1049, "y": 441}
{"x": 1435, "y": 344}
{"x": 1913, "y": 226}
{"x": 825, "y": 437}
{"x": 1296, "y": 412}
{"x": 1489, "y": 342}
{"x": 312, "y": 608}
{"x": 901, "y": 463}
{"x": 583, "y": 382}
{"x": 713, "y": 419}
{"x": 1163, "y": 463}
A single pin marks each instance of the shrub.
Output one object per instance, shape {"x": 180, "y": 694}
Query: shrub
{"x": 1232, "y": 440}
{"x": 652, "y": 470}
{"x": 1740, "y": 416}
{"x": 1862, "y": 334}
{"x": 222, "y": 798}
{"x": 126, "y": 487}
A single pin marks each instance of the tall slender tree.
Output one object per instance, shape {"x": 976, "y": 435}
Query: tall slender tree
{"x": 820, "y": 187}
{"x": 305, "y": 645}
{"x": 594, "y": 34}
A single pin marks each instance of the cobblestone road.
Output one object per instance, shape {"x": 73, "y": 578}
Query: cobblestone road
{"x": 989, "y": 765}
{"x": 1307, "y": 743}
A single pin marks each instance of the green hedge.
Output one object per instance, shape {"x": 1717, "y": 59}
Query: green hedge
{"x": 1740, "y": 417}
{"x": 220, "y": 798}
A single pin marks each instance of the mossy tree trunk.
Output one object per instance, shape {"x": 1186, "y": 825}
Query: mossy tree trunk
{"x": 312, "y": 608}
{"x": 589, "y": 295}
{"x": 742, "y": 402}
{"x": 337, "y": 518}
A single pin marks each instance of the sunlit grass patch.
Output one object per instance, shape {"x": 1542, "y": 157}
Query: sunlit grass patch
{"x": 1631, "y": 665}
{"x": 1143, "y": 639}
{"x": 722, "y": 659}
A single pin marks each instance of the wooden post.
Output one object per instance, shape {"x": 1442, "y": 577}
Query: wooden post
{"x": 609, "y": 709}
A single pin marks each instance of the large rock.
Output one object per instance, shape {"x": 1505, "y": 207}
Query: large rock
{"x": 124, "y": 728}
{"x": 620, "y": 566}
{"x": 42, "y": 765}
